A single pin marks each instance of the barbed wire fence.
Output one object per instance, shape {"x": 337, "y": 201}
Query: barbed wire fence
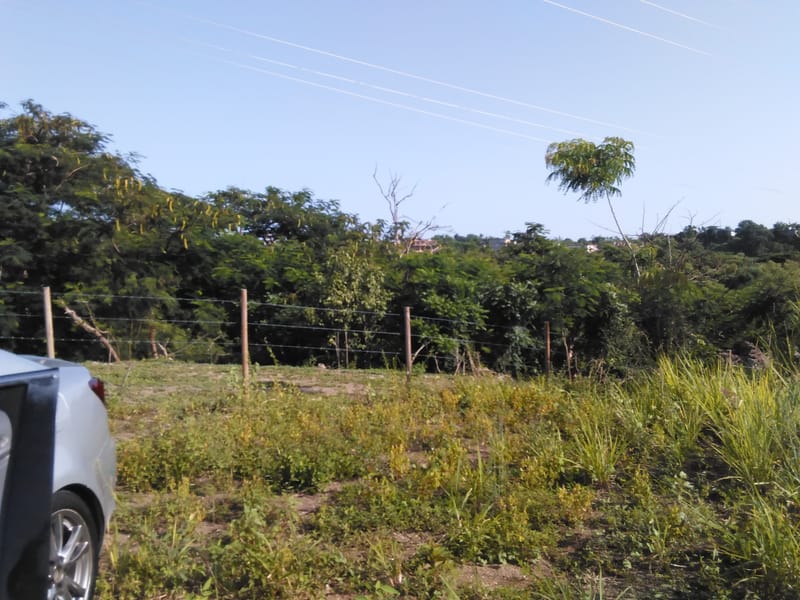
{"x": 80, "y": 325}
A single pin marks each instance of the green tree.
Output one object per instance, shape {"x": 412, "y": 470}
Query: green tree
{"x": 752, "y": 239}
{"x": 576, "y": 291}
{"x": 355, "y": 293}
{"x": 84, "y": 221}
{"x": 446, "y": 291}
{"x": 595, "y": 171}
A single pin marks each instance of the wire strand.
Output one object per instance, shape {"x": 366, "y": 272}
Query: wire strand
{"x": 626, "y": 28}
{"x": 393, "y": 71}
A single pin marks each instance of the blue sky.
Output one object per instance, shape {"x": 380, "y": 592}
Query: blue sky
{"x": 459, "y": 98}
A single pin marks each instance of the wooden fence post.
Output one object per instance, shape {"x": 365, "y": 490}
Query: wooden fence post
{"x": 48, "y": 323}
{"x": 547, "y": 348}
{"x": 407, "y": 329}
{"x": 245, "y": 341}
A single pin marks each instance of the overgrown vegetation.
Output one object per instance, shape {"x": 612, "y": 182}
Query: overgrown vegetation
{"x": 153, "y": 272}
{"x": 661, "y": 460}
{"x": 307, "y": 483}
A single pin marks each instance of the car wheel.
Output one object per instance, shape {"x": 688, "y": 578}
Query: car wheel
{"x": 74, "y": 548}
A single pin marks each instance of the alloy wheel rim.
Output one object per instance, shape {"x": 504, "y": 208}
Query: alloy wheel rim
{"x": 71, "y": 556}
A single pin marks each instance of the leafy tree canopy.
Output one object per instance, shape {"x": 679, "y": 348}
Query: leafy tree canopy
{"x": 592, "y": 170}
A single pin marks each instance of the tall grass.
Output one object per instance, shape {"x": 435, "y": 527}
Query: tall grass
{"x": 765, "y": 542}
{"x": 596, "y": 444}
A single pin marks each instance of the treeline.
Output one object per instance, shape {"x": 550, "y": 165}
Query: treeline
{"x": 88, "y": 223}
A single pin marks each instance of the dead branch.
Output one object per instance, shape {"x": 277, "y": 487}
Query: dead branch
{"x": 157, "y": 349}
{"x": 420, "y": 349}
{"x": 69, "y": 175}
{"x": 662, "y": 224}
{"x": 102, "y": 336}
{"x": 406, "y": 233}
{"x": 394, "y": 200}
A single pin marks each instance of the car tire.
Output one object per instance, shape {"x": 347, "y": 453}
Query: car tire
{"x": 74, "y": 548}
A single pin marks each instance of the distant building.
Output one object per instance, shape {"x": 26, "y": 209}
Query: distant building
{"x": 420, "y": 245}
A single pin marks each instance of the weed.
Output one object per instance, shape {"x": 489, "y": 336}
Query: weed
{"x": 592, "y": 588}
{"x": 161, "y": 552}
{"x": 765, "y": 542}
{"x": 680, "y": 482}
{"x": 596, "y": 450}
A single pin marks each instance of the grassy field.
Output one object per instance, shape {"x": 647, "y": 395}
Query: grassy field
{"x": 312, "y": 483}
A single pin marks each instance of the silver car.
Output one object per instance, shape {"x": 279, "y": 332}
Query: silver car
{"x": 84, "y": 474}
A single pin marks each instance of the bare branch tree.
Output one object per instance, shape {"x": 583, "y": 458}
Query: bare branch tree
{"x": 662, "y": 224}
{"x": 405, "y": 232}
{"x": 394, "y": 199}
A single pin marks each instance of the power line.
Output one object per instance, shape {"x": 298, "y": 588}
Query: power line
{"x": 406, "y": 74}
{"x": 390, "y": 90}
{"x": 679, "y": 14}
{"x": 626, "y": 28}
{"x": 387, "y": 102}
{"x": 421, "y": 98}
